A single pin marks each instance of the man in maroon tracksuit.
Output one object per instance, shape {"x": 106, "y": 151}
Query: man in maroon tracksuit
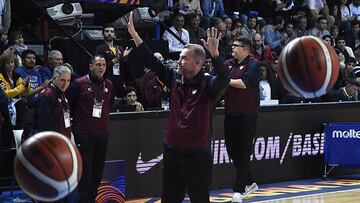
{"x": 193, "y": 95}
{"x": 241, "y": 111}
{"x": 90, "y": 98}
{"x": 53, "y": 110}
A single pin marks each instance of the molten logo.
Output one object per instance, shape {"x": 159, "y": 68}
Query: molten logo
{"x": 352, "y": 133}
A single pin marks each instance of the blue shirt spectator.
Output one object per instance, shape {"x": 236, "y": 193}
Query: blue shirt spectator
{"x": 212, "y": 8}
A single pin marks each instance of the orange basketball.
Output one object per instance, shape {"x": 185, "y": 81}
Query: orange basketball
{"x": 48, "y": 166}
{"x": 308, "y": 67}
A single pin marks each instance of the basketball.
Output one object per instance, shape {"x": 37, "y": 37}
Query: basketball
{"x": 308, "y": 67}
{"x": 48, "y": 166}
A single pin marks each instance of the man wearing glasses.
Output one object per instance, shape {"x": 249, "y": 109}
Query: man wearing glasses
{"x": 114, "y": 56}
{"x": 241, "y": 110}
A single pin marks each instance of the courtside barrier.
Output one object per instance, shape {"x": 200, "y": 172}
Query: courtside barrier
{"x": 288, "y": 145}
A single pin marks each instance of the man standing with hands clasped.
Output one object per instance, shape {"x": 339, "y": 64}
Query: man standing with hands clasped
{"x": 187, "y": 152}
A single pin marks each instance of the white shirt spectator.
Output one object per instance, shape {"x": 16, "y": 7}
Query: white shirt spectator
{"x": 288, "y": 6}
{"x": 354, "y": 11}
{"x": 193, "y": 5}
{"x": 315, "y": 5}
{"x": 174, "y": 44}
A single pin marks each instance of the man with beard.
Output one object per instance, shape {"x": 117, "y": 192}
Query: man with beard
{"x": 115, "y": 56}
{"x": 27, "y": 70}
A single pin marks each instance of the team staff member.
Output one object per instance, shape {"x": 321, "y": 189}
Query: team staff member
{"x": 90, "y": 98}
{"x": 241, "y": 111}
{"x": 53, "y": 110}
{"x": 187, "y": 154}
{"x": 114, "y": 55}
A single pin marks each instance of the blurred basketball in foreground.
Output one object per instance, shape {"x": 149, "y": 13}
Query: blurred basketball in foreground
{"x": 308, "y": 67}
{"x": 48, "y": 166}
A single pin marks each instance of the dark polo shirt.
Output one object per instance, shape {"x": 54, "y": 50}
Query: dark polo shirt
{"x": 243, "y": 101}
{"x": 191, "y": 104}
{"x": 81, "y": 95}
{"x": 50, "y": 111}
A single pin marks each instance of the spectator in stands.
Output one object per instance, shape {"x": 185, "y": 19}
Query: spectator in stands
{"x": 241, "y": 110}
{"x": 350, "y": 92}
{"x": 114, "y": 55}
{"x": 301, "y": 29}
{"x": 354, "y": 8}
{"x": 357, "y": 53}
{"x": 261, "y": 51}
{"x": 55, "y": 59}
{"x": 149, "y": 87}
{"x": 193, "y": 96}
{"x": 195, "y": 31}
{"x": 334, "y": 31}
{"x": 345, "y": 72}
{"x": 236, "y": 30}
{"x": 4, "y": 42}
{"x": 27, "y": 70}
{"x": 5, "y": 15}
{"x": 130, "y": 98}
{"x": 16, "y": 41}
{"x": 193, "y": 6}
{"x": 352, "y": 38}
{"x": 328, "y": 39}
{"x": 343, "y": 49}
{"x": 15, "y": 88}
{"x": 228, "y": 22}
{"x": 249, "y": 29}
{"x": 208, "y": 66}
{"x": 177, "y": 28}
{"x": 212, "y": 8}
{"x": 273, "y": 36}
{"x": 320, "y": 29}
{"x": 319, "y": 8}
{"x": 53, "y": 109}
{"x": 90, "y": 98}
{"x": 289, "y": 31}
{"x": 342, "y": 15}
{"x": 10, "y": 81}
{"x": 226, "y": 40}
{"x": 283, "y": 8}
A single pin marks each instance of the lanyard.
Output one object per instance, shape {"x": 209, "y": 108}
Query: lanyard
{"x": 90, "y": 89}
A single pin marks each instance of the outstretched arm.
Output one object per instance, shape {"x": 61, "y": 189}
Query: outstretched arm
{"x": 218, "y": 83}
{"x": 131, "y": 29}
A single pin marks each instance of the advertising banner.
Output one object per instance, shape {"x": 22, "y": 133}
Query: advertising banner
{"x": 342, "y": 144}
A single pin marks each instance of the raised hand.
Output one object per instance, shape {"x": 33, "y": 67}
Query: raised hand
{"x": 212, "y": 42}
{"x": 130, "y": 25}
{"x": 132, "y": 31}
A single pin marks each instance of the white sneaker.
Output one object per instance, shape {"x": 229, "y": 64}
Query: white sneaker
{"x": 237, "y": 197}
{"x": 249, "y": 189}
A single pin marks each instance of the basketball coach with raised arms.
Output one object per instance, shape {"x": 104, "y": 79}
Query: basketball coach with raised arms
{"x": 90, "y": 98}
{"x": 187, "y": 153}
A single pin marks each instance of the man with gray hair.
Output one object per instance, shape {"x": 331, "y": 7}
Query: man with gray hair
{"x": 55, "y": 59}
{"x": 52, "y": 110}
{"x": 193, "y": 97}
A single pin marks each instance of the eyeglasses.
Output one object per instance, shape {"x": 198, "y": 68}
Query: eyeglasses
{"x": 111, "y": 31}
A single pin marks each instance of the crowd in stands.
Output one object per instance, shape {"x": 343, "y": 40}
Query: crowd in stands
{"x": 269, "y": 24}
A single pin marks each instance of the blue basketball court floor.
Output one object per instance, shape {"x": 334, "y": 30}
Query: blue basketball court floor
{"x": 291, "y": 191}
